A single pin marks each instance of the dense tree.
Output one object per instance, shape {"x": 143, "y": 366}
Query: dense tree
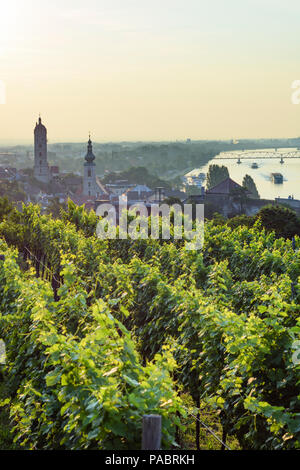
{"x": 215, "y": 175}
{"x": 239, "y": 195}
{"x": 282, "y": 220}
{"x": 138, "y": 175}
{"x": 250, "y": 185}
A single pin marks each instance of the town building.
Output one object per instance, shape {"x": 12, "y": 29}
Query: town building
{"x": 230, "y": 198}
{"x": 225, "y": 188}
{"x": 119, "y": 187}
{"x": 54, "y": 170}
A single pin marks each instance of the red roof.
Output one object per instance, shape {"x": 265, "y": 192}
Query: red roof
{"x": 225, "y": 187}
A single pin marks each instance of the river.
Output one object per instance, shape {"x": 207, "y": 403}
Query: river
{"x": 290, "y": 170}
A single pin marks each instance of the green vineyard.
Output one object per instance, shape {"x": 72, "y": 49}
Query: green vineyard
{"x": 99, "y": 333}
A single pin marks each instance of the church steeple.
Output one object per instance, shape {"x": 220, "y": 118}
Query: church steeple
{"x": 90, "y": 157}
{"x": 90, "y": 185}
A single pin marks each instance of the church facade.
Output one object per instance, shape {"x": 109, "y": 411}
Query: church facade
{"x": 41, "y": 167}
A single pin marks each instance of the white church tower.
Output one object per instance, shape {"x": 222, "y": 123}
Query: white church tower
{"x": 90, "y": 186}
{"x": 41, "y": 168}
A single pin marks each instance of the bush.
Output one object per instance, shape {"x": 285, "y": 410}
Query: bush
{"x": 282, "y": 220}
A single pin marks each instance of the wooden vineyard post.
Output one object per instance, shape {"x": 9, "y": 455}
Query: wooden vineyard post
{"x": 151, "y": 438}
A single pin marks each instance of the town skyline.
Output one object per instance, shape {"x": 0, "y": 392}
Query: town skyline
{"x": 28, "y": 141}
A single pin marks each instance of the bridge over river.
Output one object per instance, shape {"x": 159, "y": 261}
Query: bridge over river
{"x": 239, "y": 155}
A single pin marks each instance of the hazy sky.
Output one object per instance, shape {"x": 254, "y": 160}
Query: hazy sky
{"x": 149, "y": 69}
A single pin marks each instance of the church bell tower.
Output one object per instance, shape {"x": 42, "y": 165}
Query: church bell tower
{"x": 41, "y": 167}
{"x": 90, "y": 187}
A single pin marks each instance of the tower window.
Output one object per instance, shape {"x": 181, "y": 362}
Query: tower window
{"x": 89, "y": 185}
{"x": 40, "y": 154}
{"x": 89, "y": 173}
{"x": 89, "y": 193}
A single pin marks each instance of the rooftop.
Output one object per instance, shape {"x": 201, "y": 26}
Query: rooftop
{"x": 225, "y": 187}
